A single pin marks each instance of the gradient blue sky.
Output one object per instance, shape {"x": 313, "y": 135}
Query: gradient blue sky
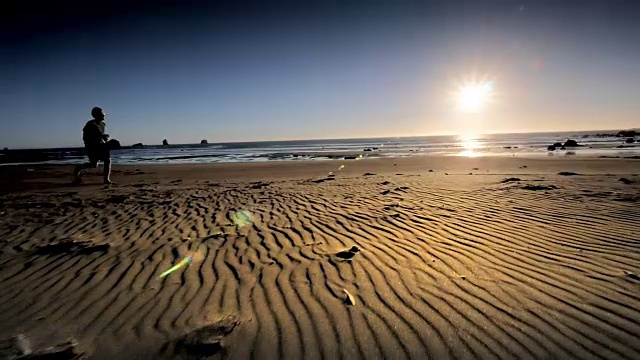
{"x": 245, "y": 71}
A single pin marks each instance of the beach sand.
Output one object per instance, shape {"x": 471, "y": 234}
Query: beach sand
{"x": 454, "y": 263}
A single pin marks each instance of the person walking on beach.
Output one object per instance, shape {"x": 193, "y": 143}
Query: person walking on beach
{"x": 94, "y": 137}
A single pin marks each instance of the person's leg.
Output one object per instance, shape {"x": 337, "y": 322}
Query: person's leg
{"x": 80, "y": 168}
{"x": 107, "y": 171}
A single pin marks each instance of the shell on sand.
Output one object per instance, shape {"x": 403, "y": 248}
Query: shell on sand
{"x": 349, "y": 299}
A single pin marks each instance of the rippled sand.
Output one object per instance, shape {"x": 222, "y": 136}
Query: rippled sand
{"x": 450, "y": 266}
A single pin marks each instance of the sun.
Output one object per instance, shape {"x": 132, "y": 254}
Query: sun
{"x": 472, "y": 97}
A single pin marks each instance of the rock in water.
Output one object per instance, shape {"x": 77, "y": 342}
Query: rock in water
{"x": 630, "y": 140}
{"x": 113, "y": 144}
{"x": 551, "y": 148}
{"x": 626, "y": 133}
{"x": 165, "y": 142}
{"x": 204, "y": 141}
{"x": 570, "y": 143}
{"x": 137, "y": 145}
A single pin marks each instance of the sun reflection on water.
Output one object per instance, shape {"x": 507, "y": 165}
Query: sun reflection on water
{"x": 470, "y": 145}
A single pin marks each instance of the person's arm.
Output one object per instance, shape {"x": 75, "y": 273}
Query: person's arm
{"x": 104, "y": 136}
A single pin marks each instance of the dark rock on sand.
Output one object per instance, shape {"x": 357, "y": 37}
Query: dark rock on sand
{"x": 567, "y": 173}
{"x": 349, "y": 157}
{"x": 625, "y": 181}
{"x": 628, "y": 199}
{"x": 385, "y": 192}
{"x": 203, "y": 342}
{"x": 348, "y": 254}
{"x": 551, "y": 148}
{"x": 20, "y": 347}
{"x": 430, "y": 170}
{"x": 506, "y": 147}
{"x": 259, "y": 185}
{"x": 368, "y": 174}
{"x": 507, "y": 180}
{"x": 317, "y": 181}
{"x": 116, "y": 199}
{"x": 539, "y": 187}
{"x": 36, "y": 205}
{"x": 367, "y": 149}
{"x": 77, "y": 203}
{"x": 70, "y": 246}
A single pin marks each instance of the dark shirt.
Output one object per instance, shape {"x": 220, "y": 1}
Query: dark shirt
{"x": 93, "y": 133}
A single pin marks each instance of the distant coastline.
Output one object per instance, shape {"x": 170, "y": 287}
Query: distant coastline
{"x": 607, "y": 143}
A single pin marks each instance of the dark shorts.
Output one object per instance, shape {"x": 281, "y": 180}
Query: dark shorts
{"x": 97, "y": 153}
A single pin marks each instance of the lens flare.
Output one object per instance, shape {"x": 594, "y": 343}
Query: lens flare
{"x": 242, "y": 218}
{"x": 177, "y": 266}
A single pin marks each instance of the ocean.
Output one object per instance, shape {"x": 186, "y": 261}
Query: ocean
{"x": 595, "y": 144}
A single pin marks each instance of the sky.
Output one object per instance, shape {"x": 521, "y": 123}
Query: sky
{"x": 278, "y": 70}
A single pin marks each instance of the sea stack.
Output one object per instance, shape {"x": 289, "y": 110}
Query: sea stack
{"x": 204, "y": 141}
{"x": 165, "y": 142}
{"x": 571, "y": 143}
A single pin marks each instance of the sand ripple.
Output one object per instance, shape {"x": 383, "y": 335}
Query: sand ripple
{"x": 446, "y": 270}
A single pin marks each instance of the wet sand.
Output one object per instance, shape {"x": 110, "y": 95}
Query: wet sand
{"x": 480, "y": 258}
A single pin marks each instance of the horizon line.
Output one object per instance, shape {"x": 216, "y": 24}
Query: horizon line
{"x": 324, "y": 139}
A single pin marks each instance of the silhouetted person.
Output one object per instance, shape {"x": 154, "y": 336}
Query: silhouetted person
{"x": 94, "y": 143}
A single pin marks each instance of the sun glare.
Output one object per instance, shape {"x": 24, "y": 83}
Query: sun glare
{"x": 472, "y": 97}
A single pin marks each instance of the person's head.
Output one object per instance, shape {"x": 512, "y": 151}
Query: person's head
{"x": 97, "y": 113}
